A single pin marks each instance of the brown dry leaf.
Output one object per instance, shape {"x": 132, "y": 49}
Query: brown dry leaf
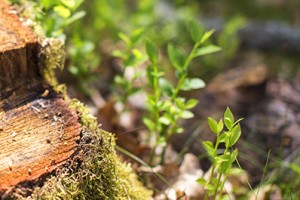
{"x": 239, "y": 77}
{"x": 266, "y": 192}
{"x": 186, "y": 186}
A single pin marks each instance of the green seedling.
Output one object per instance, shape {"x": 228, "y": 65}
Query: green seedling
{"x": 165, "y": 106}
{"x": 131, "y": 60}
{"x": 226, "y": 135}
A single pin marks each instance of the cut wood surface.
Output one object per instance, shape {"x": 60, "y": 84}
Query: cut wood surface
{"x": 38, "y": 132}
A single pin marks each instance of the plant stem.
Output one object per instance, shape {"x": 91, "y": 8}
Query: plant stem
{"x": 152, "y": 155}
{"x": 156, "y": 95}
{"x": 185, "y": 67}
{"x": 215, "y": 155}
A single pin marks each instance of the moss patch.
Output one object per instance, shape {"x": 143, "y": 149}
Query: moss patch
{"x": 101, "y": 175}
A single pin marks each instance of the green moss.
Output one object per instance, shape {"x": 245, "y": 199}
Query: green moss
{"x": 102, "y": 175}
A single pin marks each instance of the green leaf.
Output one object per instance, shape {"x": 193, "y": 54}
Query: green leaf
{"x": 165, "y": 105}
{"x": 137, "y": 53}
{"x": 209, "y": 147}
{"x": 166, "y": 87}
{"x": 165, "y": 120}
{"x": 151, "y": 52}
{"x": 201, "y": 181}
{"x": 209, "y": 189}
{"x": 233, "y": 155}
{"x": 222, "y": 138}
{"x": 191, "y": 103}
{"x": 220, "y": 125}
{"x": 73, "y": 70}
{"x": 295, "y": 167}
{"x": 119, "y": 80}
{"x": 150, "y": 76}
{"x": 149, "y": 123}
{"x": 228, "y": 135}
{"x": 72, "y": 4}
{"x": 180, "y": 102}
{"x": 62, "y": 11}
{"x": 236, "y": 134}
{"x": 221, "y": 159}
{"x": 176, "y": 57}
{"x": 213, "y": 125}
{"x": 69, "y": 3}
{"x": 76, "y": 16}
{"x": 151, "y": 101}
{"x": 125, "y": 38}
{"x": 236, "y": 171}
{"x": 228, "y": 123}
{"x": 206, "y": 50}
{"x": 47, "y": 4}
{"x": 136, "y": 36}
{"x": 228, "y": 118}
{"x": 206, "y": 36}
{"x": 178, "y": 129}
{"x": 174, "y": 110}
{"x": 224, "y": 162}
{"x": 118, "y": 54}
{"x": 192, "y": 84}
{"x": 162, "y": 141}
{"x": 187, "y": 114}
{"x": 195, "y": 31}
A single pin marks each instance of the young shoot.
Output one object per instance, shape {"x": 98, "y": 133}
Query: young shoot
{"x": 165, "y": 105}
{"x": 227, "y": 135}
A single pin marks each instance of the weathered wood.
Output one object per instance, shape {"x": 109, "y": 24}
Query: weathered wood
{"x": 38, "y": 132}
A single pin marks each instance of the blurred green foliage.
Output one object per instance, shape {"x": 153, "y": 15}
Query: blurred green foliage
{"x": 53, "y": 16}
{"x": 132, "y": 58}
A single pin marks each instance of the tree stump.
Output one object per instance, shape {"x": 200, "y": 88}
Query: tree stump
{"x": 50, "y": 146}
{"x": 38, "y": 132}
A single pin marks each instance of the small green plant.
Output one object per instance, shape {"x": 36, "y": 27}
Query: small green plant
{"x": 165, "y": 106}
{"x": 221, "y": 163}
{"x": 131, "y": 60}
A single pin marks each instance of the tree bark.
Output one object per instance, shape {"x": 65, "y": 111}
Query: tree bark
{"x": 38, "y": 132}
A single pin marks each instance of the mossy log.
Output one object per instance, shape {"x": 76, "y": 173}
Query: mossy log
{"x": 50, "y": 147}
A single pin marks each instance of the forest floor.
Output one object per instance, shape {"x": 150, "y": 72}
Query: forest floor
{"x": 270, "y": 137}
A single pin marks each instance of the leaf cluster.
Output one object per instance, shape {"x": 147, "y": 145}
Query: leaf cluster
{"x": 227, "y": 132}
{"x": 165, "y": 105}
{"x": 131, "y": 58}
